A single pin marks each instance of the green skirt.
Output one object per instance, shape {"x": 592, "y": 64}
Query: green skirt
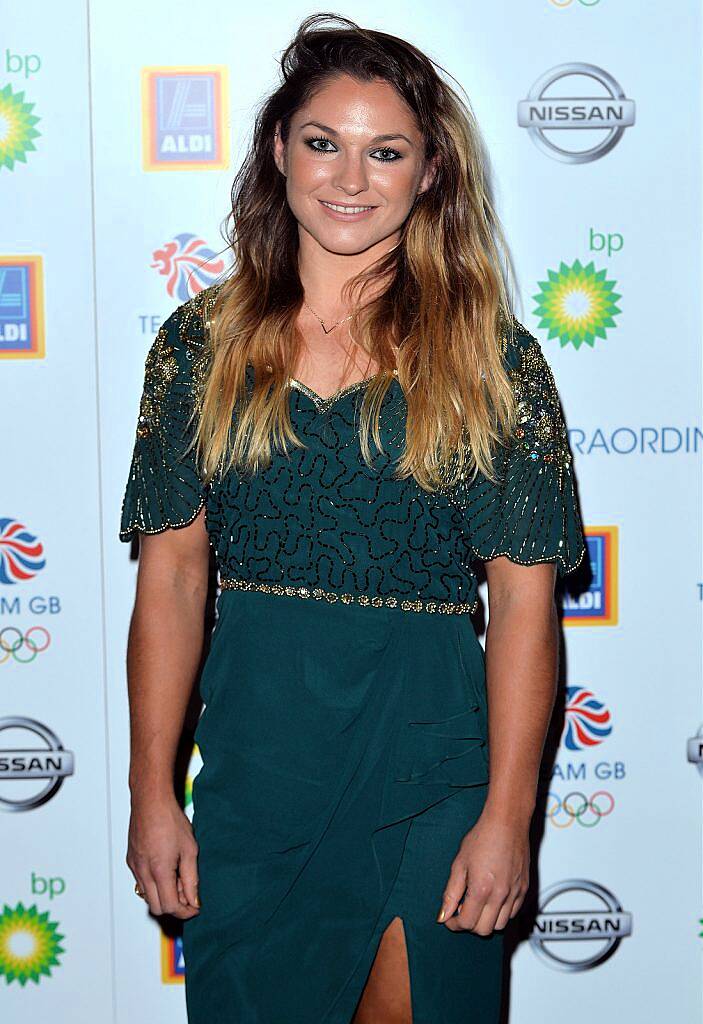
{"x": 344, "y": 758}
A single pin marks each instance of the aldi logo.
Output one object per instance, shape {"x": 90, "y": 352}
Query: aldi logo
{"x": 184, "y": 119}
{"x": 172, "y": 964}
{"x": 21, "y": 307}
{"x": 599, "y": 605}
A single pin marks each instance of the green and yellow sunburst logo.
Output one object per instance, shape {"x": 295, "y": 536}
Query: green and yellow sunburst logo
{"x": 17, "y": 131}
{"x": 194, "y": 766}
{"x": 29, "y": 944}
{"x": 577, "y": 304}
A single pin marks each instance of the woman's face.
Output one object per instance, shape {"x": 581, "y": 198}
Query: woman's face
{"x": 355, "y": 146}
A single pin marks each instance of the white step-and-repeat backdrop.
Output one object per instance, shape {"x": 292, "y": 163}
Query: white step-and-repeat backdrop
{"x": 121, "y": 126}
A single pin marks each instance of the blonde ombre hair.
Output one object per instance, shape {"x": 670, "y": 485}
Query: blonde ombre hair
{"x": 438, "y": 310}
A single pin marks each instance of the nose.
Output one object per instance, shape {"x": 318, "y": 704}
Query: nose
{"x": 350, "y": 174}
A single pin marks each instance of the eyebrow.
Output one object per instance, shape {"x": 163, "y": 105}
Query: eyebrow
{"x": 377, "y": 138}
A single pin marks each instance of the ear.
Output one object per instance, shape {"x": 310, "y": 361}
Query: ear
{"x": 429, "y": 174}
{"x": 279, "y": 149}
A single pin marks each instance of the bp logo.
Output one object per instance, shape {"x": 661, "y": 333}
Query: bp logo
{"x": 577, "y": 304}
{"x": 17, "y": 131}
{"x": 194, "y": 766}
{"x": 29, "y": 944}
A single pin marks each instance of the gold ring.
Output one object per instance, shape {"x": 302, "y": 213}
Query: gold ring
{"x": 139, "y": 892}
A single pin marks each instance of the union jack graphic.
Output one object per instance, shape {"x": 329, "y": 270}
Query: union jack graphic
{"x": 188, "y": 264}
{"x": 588, "y": 720}
{"x": 21, "y": 553}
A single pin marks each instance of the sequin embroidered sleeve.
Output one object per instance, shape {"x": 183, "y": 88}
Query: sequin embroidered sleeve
{"x": 164, "y": 488}
{"x": 531, "y": 515}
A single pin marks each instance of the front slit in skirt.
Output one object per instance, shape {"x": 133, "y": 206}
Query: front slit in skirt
{"x": 344, "y": 756}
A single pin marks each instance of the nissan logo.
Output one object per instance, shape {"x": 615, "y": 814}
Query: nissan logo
{"x": 33, "y": 772}
{"x": 545, "y": 113}
{"x": 580, "y": 925}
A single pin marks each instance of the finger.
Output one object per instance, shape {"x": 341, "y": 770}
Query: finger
{"x": 185, "y": 910}
{"x": 511, "y": 905}
{"x": 518, "y": 902}
{"x": 188, "y": 877}
{"x": 487, "y": 919}
{"x": 147, "y": 884}
{"x": 477, "y": 895}
{"x": 182, "y": 898}
{"x": 499, "y": 896}
{"x": 453, "y": 892}
{"x": 480, "y": 910}
{"x": 480, "y": 925}
{"x": 165, "y": 878}
{"x": 504, "y": 914}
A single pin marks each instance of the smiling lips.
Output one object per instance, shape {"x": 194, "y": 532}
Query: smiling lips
{"x": 339, "y": 211}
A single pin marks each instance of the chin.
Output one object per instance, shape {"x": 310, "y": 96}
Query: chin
{"x": 346, "y": 247}
{"x": 347, "y": 241}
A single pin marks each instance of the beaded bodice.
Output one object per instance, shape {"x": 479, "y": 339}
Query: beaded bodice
{"x": 321, "y": 523}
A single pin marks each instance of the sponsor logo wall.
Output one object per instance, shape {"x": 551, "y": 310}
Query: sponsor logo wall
{"x": 97, "y": 248}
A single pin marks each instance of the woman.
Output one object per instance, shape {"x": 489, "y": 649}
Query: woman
{"x": 351, "y": 420}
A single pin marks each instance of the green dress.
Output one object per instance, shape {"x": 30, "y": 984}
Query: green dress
{"x": 344, "y": 733}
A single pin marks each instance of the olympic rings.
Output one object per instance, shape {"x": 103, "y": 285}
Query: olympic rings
{"x": 568, "y": 3}
{"x": 12, "y": 641}
{"x": 586, "y": 812}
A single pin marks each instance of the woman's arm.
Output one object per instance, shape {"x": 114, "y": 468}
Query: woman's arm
{"x": 522, "y": 645}
{"x": 163, "y": 655}
{"x": 521, "y": 675}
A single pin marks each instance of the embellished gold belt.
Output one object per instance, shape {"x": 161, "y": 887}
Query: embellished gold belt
{"x": 407, "y": 605}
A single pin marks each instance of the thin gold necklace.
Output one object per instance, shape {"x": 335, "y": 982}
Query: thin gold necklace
{"x": 322, "y": 322}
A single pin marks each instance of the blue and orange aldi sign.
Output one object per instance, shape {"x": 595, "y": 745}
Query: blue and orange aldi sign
{"x": 185, "y": 118}
{"x": 21, "y": 307}
{"x": 172, "y": 965}
{"x": 599, "y": 606}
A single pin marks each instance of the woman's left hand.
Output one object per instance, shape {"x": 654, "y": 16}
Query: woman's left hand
{"x": 493, "y": 864}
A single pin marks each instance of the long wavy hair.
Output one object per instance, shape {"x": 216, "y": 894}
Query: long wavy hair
{"x": 440, "y": 319}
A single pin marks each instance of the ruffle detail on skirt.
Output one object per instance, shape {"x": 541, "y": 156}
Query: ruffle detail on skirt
{"x": 448, "y": 750}
{"x": 431, "y": 759}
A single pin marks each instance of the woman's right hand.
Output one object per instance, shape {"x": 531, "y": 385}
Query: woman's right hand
{"x": 162, "y": 855}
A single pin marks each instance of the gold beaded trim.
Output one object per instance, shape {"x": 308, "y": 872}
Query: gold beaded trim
{"x": 418, "y": 605}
